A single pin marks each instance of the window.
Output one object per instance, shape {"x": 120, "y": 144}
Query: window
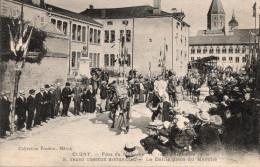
{"x": 73, "y": 59}
{"x": 230, "y": 59}
{"x": 59, "y": 24}
{"x": 198, "y": 58}
{"x": 128, "y": 35}
{"x": 106, "y": 60}
{"x": 224, "y": 59}
{"x": 192, "y": 58}
{"x": 224, "y": 50}
{"x": 185, "y": 41}
{"x": 98, "y": 60}
{"x": 99, "y": 33}
{"x": 244, "y": 49}
{"x": 199, "y": 50}
{"x": 91, "y": 35}
{"x": 95, "y": 36}
{"x": 177, "y": 25}
{"x": 112, "y": 60}
{"x": 205, "y": 50}
{"x": 128, "y": 60}
{"x": 42, "y": 21}
{"x": 65, "y": 28}
{"x": 217, "y": 59}
{"x": 122, "y": 33}
{"x": 90, "y": 57}
{"x": 112, "y": 39}
{"x": 109, "y": 23}
{"x": 53, "y": 21}
{"x": 79, "y": 33}
{"x": 74, "y": 29}
{"x": 237, "y": 59}
{"x": 84, "y": 34}
{"x": 215, "y": 23}
{"x": 238, "y": 49}
{"x": 230, "y": 49}
{"x": 193, "y": 50}
{"x": 211, "y": 51}
{"x": 106, "y": 36}
{"x": 218, "y": 50}
{"x": 94, "y": 63}
{"x": 78, "y": 57}
{"x": 243, "y": 59}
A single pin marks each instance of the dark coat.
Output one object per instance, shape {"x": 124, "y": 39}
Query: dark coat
{"x": 31, "y": 103}
{"x": 5, "y": 111}
{"x": 166, "y": 111}
{"x": 20, "y": 106}
{"x": 66, "y": 92}
{"x": 149, "y": 143}
{"x": 91, "y": 102}
{"x": 103, "y": 92}
{"x": 57, "y": 94}
{"x": 211, "y": 99}
{"x": 39, "y": 100}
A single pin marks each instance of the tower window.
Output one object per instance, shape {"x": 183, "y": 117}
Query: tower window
{"x": 199, "y": 50}
{"x": 211, "y": 51}
{"x": 224, "y": 50}
{"x": 231, "y": 49}
{"x": 193, "y": 50}
{"x": 244, "y": 49}
{"x": 205, "y": 50}
{"x": 237, "y": 49}
{"x": 218, "y": 50}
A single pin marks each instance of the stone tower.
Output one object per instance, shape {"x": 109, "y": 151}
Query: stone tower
{"x": 233, "y": 24}
{"x": 216, "y": 16}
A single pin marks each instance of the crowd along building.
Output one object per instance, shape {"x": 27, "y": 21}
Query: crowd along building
{"x": 230, "y": 45}
{"x": 147, "y": 38}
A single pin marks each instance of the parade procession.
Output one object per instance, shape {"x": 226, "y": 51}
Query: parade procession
{"x": 134, "y": 83}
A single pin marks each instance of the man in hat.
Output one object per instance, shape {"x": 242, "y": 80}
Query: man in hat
{"x": 5, "y": 113}
{"x": 166, "y": 109}
{"x": 211, "y": 98}
{"x": 20, "y": 109}
{"x": 31, "y": 106}
{"x": 150, "y": 142}
{"x": 47, "y": 96}
{"x": 94, "y": 83}
{"x": 66, "y": 95}
{"x": 103, "y": 96}
{"x": 77, "y": 91}
{"x": 40, "y": 107}
{"x": 164, "y": 145}
{"x": 52, "y": 102}
{"x": 57, "y": 98}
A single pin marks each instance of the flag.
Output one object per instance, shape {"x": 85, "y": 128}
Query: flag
{"x": 254, "y": 10}
{"x": 12, "y": 47}
{"x": 25, "y": 46}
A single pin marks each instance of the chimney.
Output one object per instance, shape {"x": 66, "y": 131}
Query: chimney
{"x": 156, "y": 7}
{"x": 103, "y": 13}
{"x": 39, "y": 3}
{"x": 91, "y": 7}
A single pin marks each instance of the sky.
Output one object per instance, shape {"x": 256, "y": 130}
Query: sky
{"x": 195, "y": 10}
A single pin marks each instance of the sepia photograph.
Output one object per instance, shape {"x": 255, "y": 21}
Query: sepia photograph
{"x": 130, "y": 83}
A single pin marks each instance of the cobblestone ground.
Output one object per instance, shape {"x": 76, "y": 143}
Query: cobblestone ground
{"x": 77, "y": 140}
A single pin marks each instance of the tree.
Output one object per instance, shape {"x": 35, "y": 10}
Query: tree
{"x": 18, "y": 40}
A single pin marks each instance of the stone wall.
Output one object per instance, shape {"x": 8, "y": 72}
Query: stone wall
{"x": 51, "y": 69}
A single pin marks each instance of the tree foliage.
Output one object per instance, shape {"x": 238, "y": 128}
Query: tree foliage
{"x": 36, "y": 44}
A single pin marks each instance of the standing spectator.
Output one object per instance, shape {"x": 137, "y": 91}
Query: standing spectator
{"x": 46, "y": 98}
{"x": 142, "y": 92}
{"x": 57, "y": 98}
{"x": 40, "y": 106}
{"x": 179, "y": 93}
{"x": 31, "y": 105}
{"x": 77, "y": 98}
{"x": 103, "y": 96}
{"x": 4, "y": 114}
{"x": 84, "y": 100}
{"x": 66, "y": 95}
{"x": 165, "y": 108}
{"x": 91, "y": 100}
{"x": 94, "y": 83}
{"x": 52, "y": 102}
{"x": 20, "y": 109}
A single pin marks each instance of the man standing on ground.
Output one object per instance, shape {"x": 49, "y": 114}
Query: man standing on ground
{"x": 20, "y": 109}
{"x": 77, "y": 98}
{"x": 31, "y": 104}
{"x": 4, "y": 114}
{"x": 57, "y": 99}
{"x": 66, "y": 95}
{"x": 40, "y": 106}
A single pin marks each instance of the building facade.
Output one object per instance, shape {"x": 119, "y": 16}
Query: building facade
{"x": 232, "y": 47}
{"x": 152, "y": 38}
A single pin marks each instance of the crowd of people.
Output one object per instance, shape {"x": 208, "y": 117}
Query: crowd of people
{"x": 224, "y": 121}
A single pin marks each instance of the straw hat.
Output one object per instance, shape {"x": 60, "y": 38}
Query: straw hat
{"x": 130, "y": 150}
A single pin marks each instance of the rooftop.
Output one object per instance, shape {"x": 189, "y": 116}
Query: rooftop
{"x": 241, "y": 36}
{"x": 129, "y": 12}
{"x": 216, "y": 7}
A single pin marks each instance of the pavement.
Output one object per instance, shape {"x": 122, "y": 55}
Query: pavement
{"x": 88, "y": 140}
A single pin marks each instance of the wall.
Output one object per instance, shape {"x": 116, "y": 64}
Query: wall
{"x": 34, "y": 75}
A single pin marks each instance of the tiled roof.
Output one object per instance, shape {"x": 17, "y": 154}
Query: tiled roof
{"x": 50, "y": 28}
{"x": 216, "y": 7}
{"x": 241, "y": 36}
{"x": 128, "y": 12}
{"x": 61, "y": 11}
{"x": 71, "y": 14}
